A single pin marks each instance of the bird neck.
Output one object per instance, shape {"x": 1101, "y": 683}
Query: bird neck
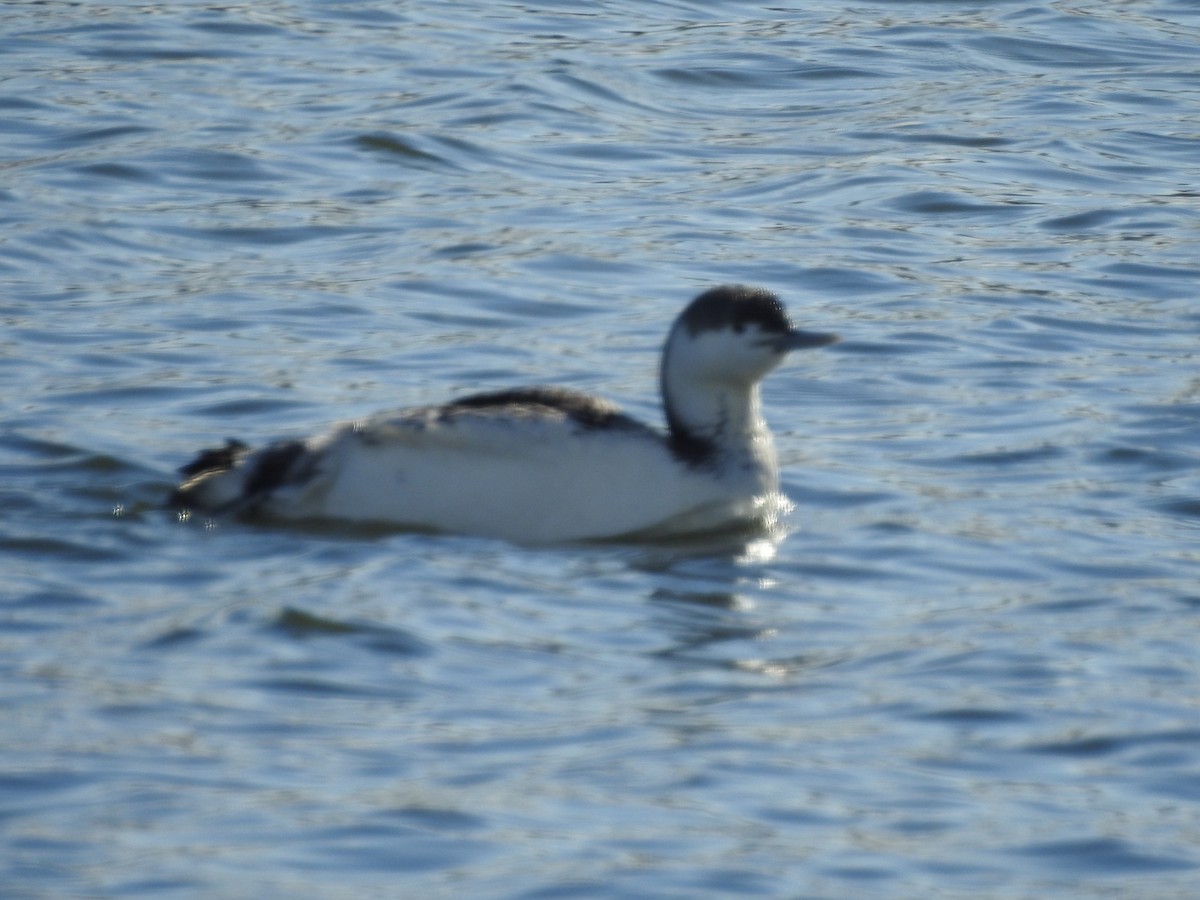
{"x": 718, "y": 424}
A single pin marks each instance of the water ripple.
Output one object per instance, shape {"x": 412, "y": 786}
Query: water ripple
{"x": 967, "y": 664}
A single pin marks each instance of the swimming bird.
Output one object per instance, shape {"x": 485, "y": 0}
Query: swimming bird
{"x": 544, "y": 464}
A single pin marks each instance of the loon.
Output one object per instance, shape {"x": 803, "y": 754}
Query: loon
{"x": 543, "y": 464}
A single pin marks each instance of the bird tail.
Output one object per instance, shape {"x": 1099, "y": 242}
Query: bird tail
{"x": 214, "y": 480}
{"x": 236, "y": 479}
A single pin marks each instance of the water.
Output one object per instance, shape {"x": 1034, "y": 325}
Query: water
{"x": 969, "y": 670}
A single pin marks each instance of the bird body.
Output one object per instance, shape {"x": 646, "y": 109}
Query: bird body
{"x": 543, "y": 464}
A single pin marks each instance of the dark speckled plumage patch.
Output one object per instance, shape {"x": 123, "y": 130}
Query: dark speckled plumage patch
{"x": 275, "y": 466}
{"x": 588, "y": 412}
{"x": 214, "y": 459}
{"x": 592, "y": 413}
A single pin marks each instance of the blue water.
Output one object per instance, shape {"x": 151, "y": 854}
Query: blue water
{"x": 969, "y": 670}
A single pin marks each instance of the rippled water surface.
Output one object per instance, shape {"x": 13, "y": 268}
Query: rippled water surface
{"x": 969, "y": 670}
